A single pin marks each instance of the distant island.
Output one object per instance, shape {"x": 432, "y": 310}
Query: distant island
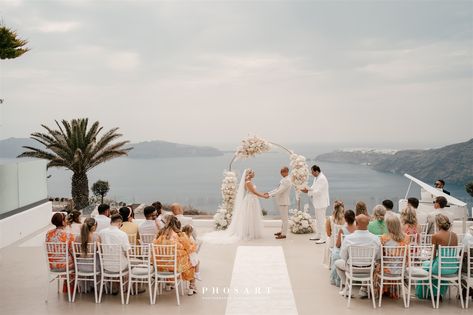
{"x": 453, "y": 163}
{"x": 10, "y": 148}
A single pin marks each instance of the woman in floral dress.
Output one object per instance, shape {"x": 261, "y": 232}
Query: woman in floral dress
{"x": 171, "y": 235}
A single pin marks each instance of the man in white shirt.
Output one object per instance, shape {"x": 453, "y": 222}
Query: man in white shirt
{"x": 282, "y": 198}
{"x": 321, "y": 200}
{"x": 114, "y": 236}
{"x": 103, "y": 219}
{"x": 360, "y": 237}
{"x": 149, "y": 226}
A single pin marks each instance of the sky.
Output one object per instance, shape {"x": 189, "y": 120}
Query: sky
{"x": 209, "y": 72}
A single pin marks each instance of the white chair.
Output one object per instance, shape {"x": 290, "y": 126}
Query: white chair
{"x": 467, "y": 277}
{"x": 86, "y": 268}
{"x": 360, "y": 268}
{"x": 449, "y": 258}
{"x": 327, "y": 260}
{"x": 141, "y": 271}
{"x": 114, "y": 267}
{"x": 59, "y": 265}
{"x": 416, "y": 275}
{"x": 413, "y": 238}
{"x": 424, "y": 228}
{"x": 165, "y": 269}
{"x": 393, "y": 259}
{"x": 132, "y": 238}
{"x": 425, "y": 239}
{"x": 147, "y": 238}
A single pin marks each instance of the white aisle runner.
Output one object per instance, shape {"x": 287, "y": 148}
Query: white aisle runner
{"x": 260, "y": 283}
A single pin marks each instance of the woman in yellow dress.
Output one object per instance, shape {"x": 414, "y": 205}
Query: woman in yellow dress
{"x": 170, "y": 235}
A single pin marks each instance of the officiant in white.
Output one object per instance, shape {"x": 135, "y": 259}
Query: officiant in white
{"x": 282, "y": 199}
{"x": 318, "y": 192}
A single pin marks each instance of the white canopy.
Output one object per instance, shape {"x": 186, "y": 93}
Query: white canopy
{"x": 435, "y": 192}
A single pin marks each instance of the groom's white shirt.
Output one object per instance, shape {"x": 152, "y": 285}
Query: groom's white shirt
{"x": 319, "y": 192}
{"x": 282, "y": 193}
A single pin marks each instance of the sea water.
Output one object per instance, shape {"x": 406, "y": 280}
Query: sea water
{"x": 196, "y": 181}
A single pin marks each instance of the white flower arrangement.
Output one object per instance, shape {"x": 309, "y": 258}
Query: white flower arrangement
{"x": 224, "y": 214}
{"x": 300, "y": 222}
{"x": 252, "y": 146}
{"x": 299, "y": 172}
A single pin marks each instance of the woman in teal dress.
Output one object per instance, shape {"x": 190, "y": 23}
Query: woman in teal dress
{"x": 443, "y": 237}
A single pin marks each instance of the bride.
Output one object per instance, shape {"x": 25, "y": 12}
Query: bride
{"x": 246, "y": 222}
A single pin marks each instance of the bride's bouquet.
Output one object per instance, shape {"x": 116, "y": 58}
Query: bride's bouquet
{"x": 300, "y": 222}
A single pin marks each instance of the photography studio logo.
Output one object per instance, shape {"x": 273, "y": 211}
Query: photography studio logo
{"x": 218, "y": 293}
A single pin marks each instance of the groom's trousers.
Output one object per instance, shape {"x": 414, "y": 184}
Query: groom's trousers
{"x": 283, "y": 210}
{"x": 319, "y": 223}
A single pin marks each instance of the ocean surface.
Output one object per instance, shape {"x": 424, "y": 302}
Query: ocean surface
{"x": 196, "y": 181}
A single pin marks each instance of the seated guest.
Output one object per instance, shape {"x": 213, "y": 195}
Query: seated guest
{"x": 73, "y": 222}
{"x": 114, "y": 236}
{"x": 129, "y": 227}
{"x": 360, "y": 208}
{"x": 194, "y": 258}
{"x": 409, "y": 221}
{"x": 468, "y": 238}
{"x": 439, "y": 205}
{"x": 170, "y": 235}
{"x": 59, "y": 235}
{"x": 160, "y": 219}
{"x": 87, "y": 236}
{"x": 149, "y": 226}
{"x": 360, "y": 237}
{"x": 394, "y": 237}
{"x": 377, "y": 226}
{"x": 444, "y": 237}
{"x": 413, "y": 203}
{"x": 347, "y": 229}
{"x": 179, "y": 214}
{"x": 388, "y": 204}
{"x": 335, "y": 222}
{"x": 103, "y": 219}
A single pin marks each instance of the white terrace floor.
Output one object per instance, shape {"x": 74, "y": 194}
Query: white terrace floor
{"x": 298, "y": 284}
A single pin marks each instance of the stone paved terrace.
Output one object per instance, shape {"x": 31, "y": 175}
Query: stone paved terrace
{"x": 23, "y": 287}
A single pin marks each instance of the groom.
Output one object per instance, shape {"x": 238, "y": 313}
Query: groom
{"x": 281, "y": 196}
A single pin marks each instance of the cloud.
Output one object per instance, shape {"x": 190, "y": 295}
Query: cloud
{"x": 57, "y": 27}
{"x": 123, "y": 61}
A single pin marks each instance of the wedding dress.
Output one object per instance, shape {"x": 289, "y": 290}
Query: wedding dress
{"x": 246, "y": 224}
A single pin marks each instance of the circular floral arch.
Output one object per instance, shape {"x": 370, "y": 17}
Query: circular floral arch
{"x": 248, "y": 148}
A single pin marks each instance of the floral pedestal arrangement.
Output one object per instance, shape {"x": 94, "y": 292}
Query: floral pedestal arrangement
{"x": 300, "y": 221}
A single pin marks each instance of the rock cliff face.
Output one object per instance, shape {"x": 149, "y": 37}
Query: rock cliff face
{"x": 453, "y": 163}
{"x": 12, "y": 147}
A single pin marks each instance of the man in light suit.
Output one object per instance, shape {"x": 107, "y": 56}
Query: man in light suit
{"x": 282, "y": 198}
{"x": 320, "y": 199}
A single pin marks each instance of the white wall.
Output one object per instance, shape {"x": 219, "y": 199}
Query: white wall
{"x": 25, "y": 223}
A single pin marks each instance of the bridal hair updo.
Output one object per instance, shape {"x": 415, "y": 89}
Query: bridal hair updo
{"x": 250, "y": 174}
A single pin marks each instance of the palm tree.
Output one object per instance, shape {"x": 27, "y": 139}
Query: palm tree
{"x": 10, "y": 45}
{"x": 79, "y": 149}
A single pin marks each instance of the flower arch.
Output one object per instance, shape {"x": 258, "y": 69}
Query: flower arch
{"x": 248, "y": 148}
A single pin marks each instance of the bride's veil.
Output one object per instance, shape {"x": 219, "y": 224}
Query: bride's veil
{"x": 237, "y": 205}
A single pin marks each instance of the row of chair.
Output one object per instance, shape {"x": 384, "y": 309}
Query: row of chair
{"x": 403, "y": 266}
{"x": 150, "y": 264}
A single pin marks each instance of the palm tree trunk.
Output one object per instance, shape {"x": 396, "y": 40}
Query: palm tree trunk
{"x": 80, "y": 190}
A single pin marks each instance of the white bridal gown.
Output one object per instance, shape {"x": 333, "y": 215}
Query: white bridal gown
{"x": 247, "y": 223}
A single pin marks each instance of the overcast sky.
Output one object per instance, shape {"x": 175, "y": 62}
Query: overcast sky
{"x": 206, "y": 72}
